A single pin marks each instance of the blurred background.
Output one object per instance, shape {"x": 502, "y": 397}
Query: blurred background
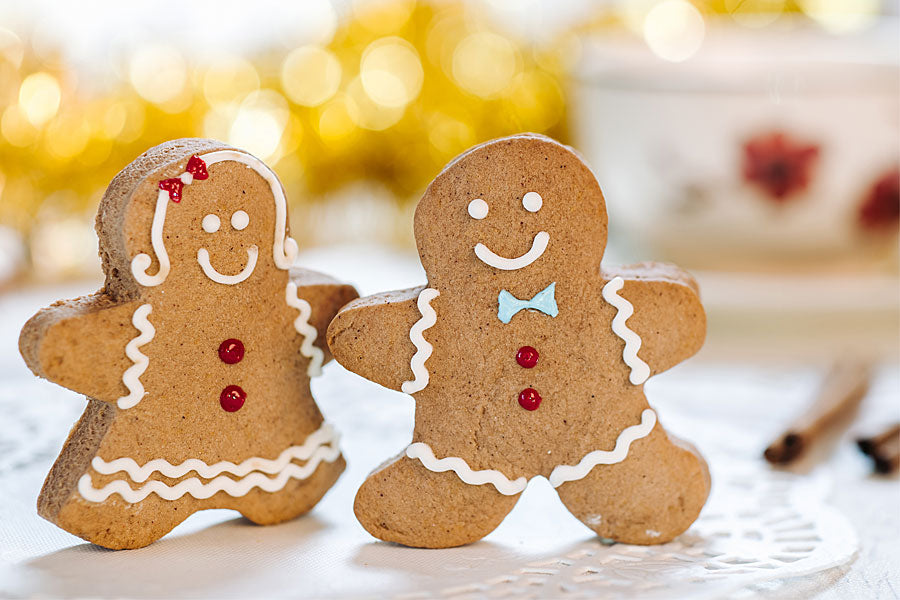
{"x": 755, "y": 142}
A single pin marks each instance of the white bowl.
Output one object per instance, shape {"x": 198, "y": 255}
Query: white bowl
{"x": 668, "y": 143}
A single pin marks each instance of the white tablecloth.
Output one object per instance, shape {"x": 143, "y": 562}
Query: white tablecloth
{"x": 833, "y": 532}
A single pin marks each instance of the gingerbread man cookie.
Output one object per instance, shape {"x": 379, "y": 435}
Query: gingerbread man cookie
{"x": 195, "y": 356}
{"x": 525, "y": 358}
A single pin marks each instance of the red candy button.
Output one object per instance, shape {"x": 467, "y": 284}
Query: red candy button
{"x": 529, "y": 399}
{"x": 232, "y": 398}
{"x": 527, "y": 356}
{"x": 231, "y": 351}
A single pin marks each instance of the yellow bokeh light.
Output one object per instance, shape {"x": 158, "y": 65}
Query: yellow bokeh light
{"x": 67, "y": 136}
{"x": 310, "y": 75}
{"x": 259, "y": 124}
{"x": 634, "y": 12}
{"x": 536, "y": 99}
{"x": 16, "y": 128}
{"x": 113, "y": 121}
{"x": 485, "y": 63}
{"x": 390, "y": 72}
{"x": 217, "y": 121}
{"x": 39, "y": 97}
{"x": 371, "y": 115}
{"x": 674, "y": 30}
{"x": 338, "y": 119}
{"x": 383, "y": 16}
{"x": 445, "y": 32}
{"x": 11, "y": 47}
{"x": 96, "y": 152}
{"x": 449, "y": 135}
{"x": 842, "y": 16}
{"x": 134, "y": 122}
{"x": 158, "y": 74}
{"x": 229, "y": 79}
{"x": 755, "y": 13}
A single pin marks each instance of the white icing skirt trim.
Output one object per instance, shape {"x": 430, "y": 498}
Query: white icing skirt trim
{"x": 564, "y": 473}
{"x": 320, "y": 446}
{"x": 423, "y": 452}
{"x": 560, "y": 474}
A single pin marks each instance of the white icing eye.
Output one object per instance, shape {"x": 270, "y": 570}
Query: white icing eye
{"x": 478, "y": 209}
{"x": 240, "y": 220}
{"x": 211, "y": 223}
{"x": 532, "y": 201}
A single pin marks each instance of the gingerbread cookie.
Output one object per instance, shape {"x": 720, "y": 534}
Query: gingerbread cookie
{"x": 525, "y": 358}
{"x": 195, "y": 356}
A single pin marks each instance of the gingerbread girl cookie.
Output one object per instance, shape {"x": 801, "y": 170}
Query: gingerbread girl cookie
{"x": 195, "y": 356}
{"x": 525, "y": 358}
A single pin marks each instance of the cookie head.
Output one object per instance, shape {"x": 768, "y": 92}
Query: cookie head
{"x": 514, "y": 207}
{"x": 222, "y": 219}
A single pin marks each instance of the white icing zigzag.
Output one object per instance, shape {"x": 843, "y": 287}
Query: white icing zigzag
{"x": 309, "y": 333}
{"x": 560, "y": 474}
{"x": 564, "y": 473}
{"x": 423, "y": 348}
{"x": 640, "y": 371}
{"x": 132, "y": 376}
{"x": 504, "y": 485}
{"x": 318, "y": 447}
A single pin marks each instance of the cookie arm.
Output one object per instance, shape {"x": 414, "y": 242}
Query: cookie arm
{"x": 371, "y": 336}
{"x": 80, "y": 345}
{"x": 668, "y": 316}
{"x": 325, "y": 296}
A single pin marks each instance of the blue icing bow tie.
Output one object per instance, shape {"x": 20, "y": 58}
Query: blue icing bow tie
{"x": 544, "y": 301}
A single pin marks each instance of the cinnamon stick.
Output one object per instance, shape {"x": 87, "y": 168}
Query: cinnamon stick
{"x": 840, "y": 394}
{"x": 884, "y": 448}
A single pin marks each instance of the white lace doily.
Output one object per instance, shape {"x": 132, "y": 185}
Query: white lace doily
{"x": 761, "y": 527}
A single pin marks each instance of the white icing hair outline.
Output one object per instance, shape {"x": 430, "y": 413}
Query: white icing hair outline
{"x": 284, "y": 248}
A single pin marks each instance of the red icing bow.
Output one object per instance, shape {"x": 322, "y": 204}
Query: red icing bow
{"x": 197, "y": 168}
{"x": 174, "y": 187}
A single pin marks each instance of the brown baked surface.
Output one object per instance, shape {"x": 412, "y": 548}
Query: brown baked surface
{"x": 80, "y": 344}
{"x": 470, "y": 409}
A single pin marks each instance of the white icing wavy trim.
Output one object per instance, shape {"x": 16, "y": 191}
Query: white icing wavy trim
{"x": 538, "y": 246}
{"x": 560, "y": 474}
{"x": 132, "y": 376}
{"x": 210, "y": 271}
{"x": 319, "y": 446}
{"x": 640, "y": 371}
{"x": 309, "y": 333}
{"x": 423, "y": 348}
{"x": 564, "y": 473}
{"x": 284, "y": 249}
{"x": 504, "y": 485}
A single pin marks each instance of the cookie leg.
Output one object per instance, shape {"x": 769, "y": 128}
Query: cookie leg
{"x": 649, "y": 498}
{"x": 404, "y": 502}
{"x": 296, "y": 498}
{"x": 119, "y": 525}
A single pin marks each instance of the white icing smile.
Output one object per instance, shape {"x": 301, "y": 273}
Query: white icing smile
{"x": 210, "y": 271}
{"x": 538, "y": 246}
